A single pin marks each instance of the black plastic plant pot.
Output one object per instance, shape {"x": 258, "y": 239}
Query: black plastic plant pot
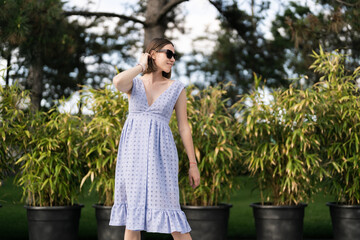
{"x": 208, "y": 222}
{"x": 104, "y": 230}
{"x": 278, "y": 222}
{"x": 53, "y": 223}
{"x": 345, "y": 221}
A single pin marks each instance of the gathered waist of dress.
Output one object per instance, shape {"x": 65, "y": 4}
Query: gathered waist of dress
{"x": 147, "y": 115}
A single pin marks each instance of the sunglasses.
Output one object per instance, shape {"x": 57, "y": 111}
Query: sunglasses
{"x": 169, "y": 53}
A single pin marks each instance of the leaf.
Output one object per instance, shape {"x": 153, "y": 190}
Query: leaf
{"x": 197, "y": 154}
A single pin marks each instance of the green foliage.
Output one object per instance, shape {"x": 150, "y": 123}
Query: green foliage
{"x": 338, "y": 122}
{"x": 47, "y": 45}
{"x": 240, "y": 48}
{"x": 301, "y": 137}
{"x": 42, "y": 33}
{"x": 12, "y": 115}
{"x": 101, "y": 139}
{"x": 301, "y": 29}
{"x": 216, "y": 150}
{"x": 280, "y": 144}
{"x": 51, "y": 166}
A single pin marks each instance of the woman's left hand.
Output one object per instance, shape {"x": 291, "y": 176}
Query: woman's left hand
{"x": 194, "y": 176}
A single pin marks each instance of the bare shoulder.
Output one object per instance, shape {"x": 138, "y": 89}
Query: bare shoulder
{"x": 170, "y": 81}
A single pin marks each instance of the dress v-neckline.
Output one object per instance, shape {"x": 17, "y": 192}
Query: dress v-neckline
{"x": 147, "y": 102}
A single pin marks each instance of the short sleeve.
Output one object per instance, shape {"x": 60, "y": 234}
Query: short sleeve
{"x": 134, "y": 86}
{"x": 179, "y": 88}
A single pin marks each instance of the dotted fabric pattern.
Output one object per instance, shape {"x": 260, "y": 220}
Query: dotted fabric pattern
{"x": 146, "y": 181}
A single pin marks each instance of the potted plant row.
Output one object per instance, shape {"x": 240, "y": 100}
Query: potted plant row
{"x": 50, "y": 174}
{"x": 290, "y": 144}
{"x": 217, "y": 155}
{"x": 299, "y": 141}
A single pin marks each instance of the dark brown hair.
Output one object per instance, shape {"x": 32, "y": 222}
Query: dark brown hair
{"x": 156, "y": 44}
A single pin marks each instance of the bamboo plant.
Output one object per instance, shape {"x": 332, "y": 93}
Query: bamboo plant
{"x": 51, "y": 166}
{"x": 13, "y": 116}
{"x": 215, "y": 146}
{"x": 102, "y": 135}
{"x": 338, "y": 120}
{"x": 280, "y": 143}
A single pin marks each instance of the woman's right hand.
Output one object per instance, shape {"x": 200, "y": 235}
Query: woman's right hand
{"x": 144, "y": 60}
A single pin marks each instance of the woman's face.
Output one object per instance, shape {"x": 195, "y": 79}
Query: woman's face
{"x": 163, "y": 63}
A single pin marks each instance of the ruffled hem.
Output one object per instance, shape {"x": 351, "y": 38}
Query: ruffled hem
{"x": 157, "y": 220}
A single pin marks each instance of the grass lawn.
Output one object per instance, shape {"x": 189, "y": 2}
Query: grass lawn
{"x": 13, "y": 223}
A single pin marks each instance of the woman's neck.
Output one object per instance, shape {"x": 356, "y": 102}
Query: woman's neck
{"x": 154, "y": 77}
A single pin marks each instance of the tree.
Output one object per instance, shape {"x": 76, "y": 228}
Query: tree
{"x": 302, "y": 29}
{"x": 38, "y": 31}
{"x": 241, "y": 49}
{"x": 52, "y": 49}
{"x": 157, "y": 13}
{"x": 23, "y": 26}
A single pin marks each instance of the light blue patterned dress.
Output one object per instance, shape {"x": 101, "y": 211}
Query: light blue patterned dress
{"x": 146, "y": 181}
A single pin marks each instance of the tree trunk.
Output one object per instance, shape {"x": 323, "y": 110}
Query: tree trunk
{"x": 153, "y": 32}
{"x": 34, "y": 81}
{"x": 154, "y": 27}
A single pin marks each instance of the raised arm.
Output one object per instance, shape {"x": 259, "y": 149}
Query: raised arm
{"x": 123, "y": 81}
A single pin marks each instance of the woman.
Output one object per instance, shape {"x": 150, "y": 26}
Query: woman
{"x": 146, "y": 182}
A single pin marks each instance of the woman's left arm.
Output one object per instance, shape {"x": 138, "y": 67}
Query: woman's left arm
{"x": 185, "y": 133}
